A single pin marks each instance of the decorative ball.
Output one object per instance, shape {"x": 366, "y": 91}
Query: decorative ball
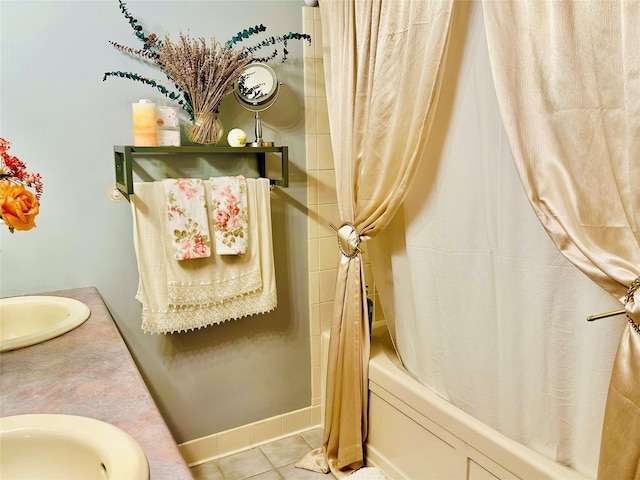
{"x": 237, "y": 138}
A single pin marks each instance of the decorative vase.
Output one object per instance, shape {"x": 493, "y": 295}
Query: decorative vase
{"x": 206, "y": 129}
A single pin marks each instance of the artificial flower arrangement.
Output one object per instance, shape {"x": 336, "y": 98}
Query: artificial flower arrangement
{"x": 18, "y": 206}
{"x": 203, "y": 73}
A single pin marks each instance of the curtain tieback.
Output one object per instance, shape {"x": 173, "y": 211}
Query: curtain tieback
{"x": 348, "y": 239}
{"x": 627, "y": 298}
{"x": 630, "y": 297}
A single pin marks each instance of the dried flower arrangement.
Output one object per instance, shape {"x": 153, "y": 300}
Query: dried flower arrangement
{"x": 202, "y": 73}
{"x": 18, "y": 206}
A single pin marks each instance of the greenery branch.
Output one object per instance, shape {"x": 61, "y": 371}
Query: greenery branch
{"x": 284, "y": 39}
{"x": 148, "y": 40}
{"x": 180, "y": 97}
{"x": 190, "y": 64}
{"x": 146, "y": 53}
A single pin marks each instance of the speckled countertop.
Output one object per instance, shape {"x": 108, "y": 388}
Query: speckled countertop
{"x": 90, "y": 372}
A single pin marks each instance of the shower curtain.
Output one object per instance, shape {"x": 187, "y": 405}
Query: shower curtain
{"x": 383, "y": 64}
{"x": 568, "y": 81}
{"x": 482, "y": 306}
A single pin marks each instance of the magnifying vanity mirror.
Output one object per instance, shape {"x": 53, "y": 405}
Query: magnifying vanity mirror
{"x": 256, "y": 90}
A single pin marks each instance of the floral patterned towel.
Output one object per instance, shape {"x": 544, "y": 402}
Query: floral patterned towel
{"x": 229, "y": 211}
{"x": 186, "y": 211}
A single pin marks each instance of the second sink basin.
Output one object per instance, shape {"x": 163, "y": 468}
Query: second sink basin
{"x": 70, "y": 447}
{"x": 32, "y": 319}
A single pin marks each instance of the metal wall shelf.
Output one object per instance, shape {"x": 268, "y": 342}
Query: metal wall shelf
{"x": 124, "y": 156}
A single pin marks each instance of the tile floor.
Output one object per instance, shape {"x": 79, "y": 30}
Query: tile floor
{"x": 271, "y": 461}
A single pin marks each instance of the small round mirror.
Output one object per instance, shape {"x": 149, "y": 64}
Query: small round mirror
{"x": 256, "y": 90}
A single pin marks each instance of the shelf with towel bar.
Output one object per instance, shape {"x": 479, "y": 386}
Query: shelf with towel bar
{"x": 123, "y": 157}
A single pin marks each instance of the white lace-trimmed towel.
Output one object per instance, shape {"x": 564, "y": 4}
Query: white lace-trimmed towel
{"x": 188, "y": 225}
{"x": 205, "y": 276}
{"x": 229, "y": 206}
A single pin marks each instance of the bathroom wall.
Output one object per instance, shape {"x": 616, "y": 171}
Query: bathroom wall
{"x": 63, "y": 121}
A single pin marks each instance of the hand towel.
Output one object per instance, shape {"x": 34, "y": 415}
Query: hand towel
{"x": 219, "y": 277}
{"x": 161, "y": 316}
{"x": 188, "y": 225}
{"x": 229, "y": 205}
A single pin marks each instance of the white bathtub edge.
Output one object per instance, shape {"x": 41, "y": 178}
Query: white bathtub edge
{"x": 389, "y": 381}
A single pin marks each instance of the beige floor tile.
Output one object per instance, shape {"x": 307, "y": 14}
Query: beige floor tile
{"x": 290, "y": 472}
{"x": 313, "y": 437}
{"x": 286, "y": 450}
{"x": 270, "y": 475}
{"x": 244, "y": 464}
{"x": 206, "y": 471}
{"x": 272, "y": 461}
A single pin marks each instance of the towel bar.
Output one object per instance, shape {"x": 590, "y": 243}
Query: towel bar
{"x": 123, "y": 157}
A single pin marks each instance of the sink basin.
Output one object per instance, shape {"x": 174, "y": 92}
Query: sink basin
{"x": 70, "y": 447}
{"x": 28, "y": 320}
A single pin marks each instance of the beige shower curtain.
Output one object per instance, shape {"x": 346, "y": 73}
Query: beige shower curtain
{"x": 383, "y": 64}
{"x": 567, "y": 76}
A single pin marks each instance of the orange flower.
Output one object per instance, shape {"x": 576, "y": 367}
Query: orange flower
{"x": 18, "y": 206}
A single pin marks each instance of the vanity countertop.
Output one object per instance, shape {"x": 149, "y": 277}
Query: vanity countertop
{"x": 89, "y": 371}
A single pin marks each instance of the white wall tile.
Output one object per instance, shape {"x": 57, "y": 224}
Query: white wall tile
{"x": 326, "y": 315}
{"x": 310, "y": 77}
{"x": 310, "y": 115}
{"x": 322, "y": 115}
{"x": 314, "y": 316}
{"x": 329, "y": 253}
{"x": 326, "y": 187}
{"x": 324, "y": 152}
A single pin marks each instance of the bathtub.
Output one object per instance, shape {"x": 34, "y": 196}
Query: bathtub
{"x": 415, "y": 434}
